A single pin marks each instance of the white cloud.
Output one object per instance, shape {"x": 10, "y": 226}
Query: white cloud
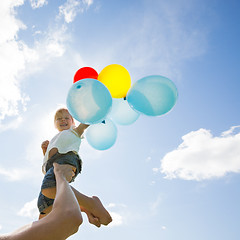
{"x": 12, "y": 124}
{"x": 13, "y": 58}
{"x": 51, "y": 45}
{"x": 29, "y": 210}
{"x": 9, "y": 25}
{"x": 202, "y": 156}
{"x": 88, "y": 2}
{"x": 18, "y": 60}
{"x": 114, "y": 205}
{"x": 71, "y": 8}
{"x": 117, "y": 214}
{"x": 38, "y": 3}
{"x": 117, "y": 219}
{"x": 13, "y": 174}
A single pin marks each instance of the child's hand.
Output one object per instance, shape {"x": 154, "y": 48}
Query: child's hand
{"x": 44, "y": 146}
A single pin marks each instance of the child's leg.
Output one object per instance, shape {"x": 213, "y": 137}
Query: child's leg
{"x": 45, "y": 212}
{"x": 93, "y": 207}
{"x": 49, "y": 183}
{"x": 49, "y": 192}
{"x": 48, "y": 187}
{"x": 91, "y": 218}
{"x": 47, "y": 195}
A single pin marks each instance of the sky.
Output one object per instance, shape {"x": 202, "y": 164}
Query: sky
{"x": 174, "y": 176}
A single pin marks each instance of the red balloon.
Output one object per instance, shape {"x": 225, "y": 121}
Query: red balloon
{"x": 85, "y": 72}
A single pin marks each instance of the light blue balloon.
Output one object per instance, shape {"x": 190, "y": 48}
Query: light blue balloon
{"x": 89, "y": 101}
{"x": 153, "y": 95}
{"x": 122, "y": 113}
{"x": 103, "y": 135}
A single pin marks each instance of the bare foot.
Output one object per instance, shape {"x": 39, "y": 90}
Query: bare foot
{"x": 98, "y": 211}
{"x": 91, "y": 218}
{"x": 64, "y": 170}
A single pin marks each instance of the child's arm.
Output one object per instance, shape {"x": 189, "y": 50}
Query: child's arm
{"x": 44, "y": 146}
{"x": 80, "y": 129}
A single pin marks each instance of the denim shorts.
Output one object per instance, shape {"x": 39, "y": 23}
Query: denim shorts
{"x": 49, "y": 180}
{"x": 44, "y": 202}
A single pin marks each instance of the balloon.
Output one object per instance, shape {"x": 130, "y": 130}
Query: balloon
{"x": 153, "y": 95}
{"x": 117, "y": 80}
{"x": 102, "y": 136}
{"x": 85, "y": 72}
{"x": 89, "y": 101}
{"x": 122, "y": 113}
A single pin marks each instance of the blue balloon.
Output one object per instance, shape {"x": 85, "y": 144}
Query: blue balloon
{"x": 89, "y": 101}
{"x": 122, "y": 113}
{"x": 153, "y": 95}
{"x": 102, "y": 136}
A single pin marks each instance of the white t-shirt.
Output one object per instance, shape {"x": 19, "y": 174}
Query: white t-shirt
{"x": 65, "y": 141}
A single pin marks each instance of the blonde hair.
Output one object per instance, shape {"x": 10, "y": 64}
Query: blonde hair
{"x": 61, "y": 111}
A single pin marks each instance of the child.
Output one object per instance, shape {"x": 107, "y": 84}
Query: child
{"x": 63, "y": 149}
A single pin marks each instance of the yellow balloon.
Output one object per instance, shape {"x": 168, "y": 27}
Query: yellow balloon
{"x": 117, "y": 79}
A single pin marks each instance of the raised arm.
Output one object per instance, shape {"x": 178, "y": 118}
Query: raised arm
{"x": 80, "y": 129}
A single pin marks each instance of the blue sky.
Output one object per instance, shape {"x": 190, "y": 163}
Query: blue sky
{"x": 174, "y": 176}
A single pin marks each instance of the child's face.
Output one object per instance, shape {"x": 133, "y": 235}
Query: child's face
{"x": 63, "y": 121}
